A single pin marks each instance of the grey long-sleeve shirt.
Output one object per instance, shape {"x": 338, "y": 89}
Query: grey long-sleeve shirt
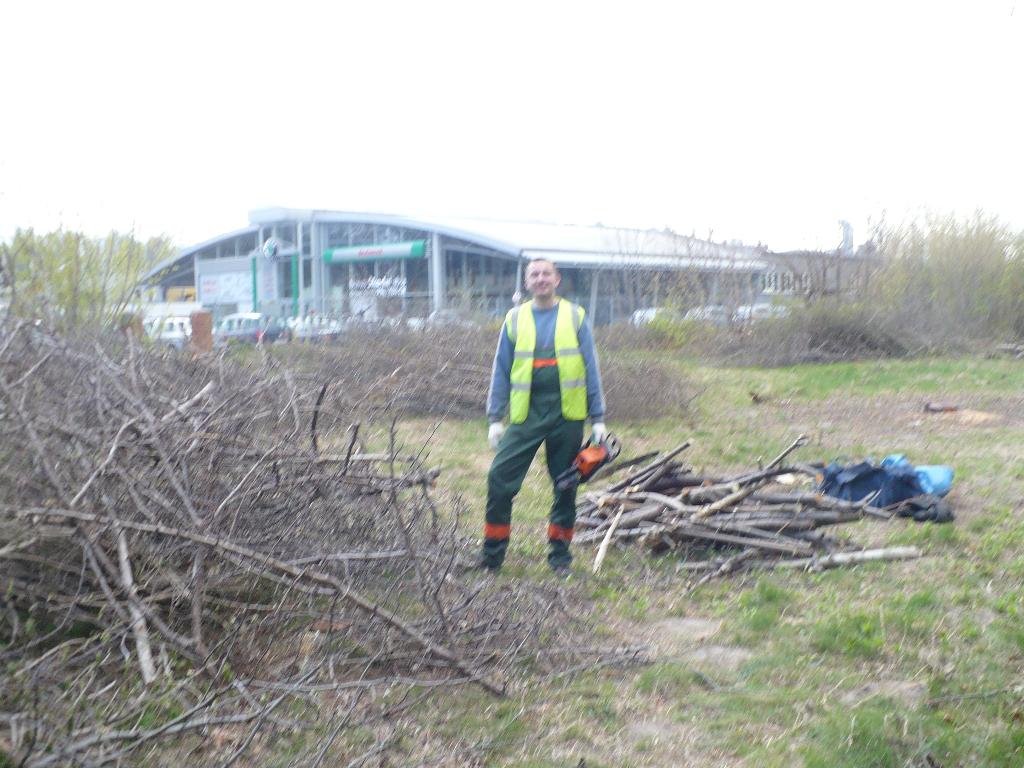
{"x": 497, "y": 397}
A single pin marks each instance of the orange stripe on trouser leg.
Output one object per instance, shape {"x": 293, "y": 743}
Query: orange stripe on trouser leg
{"x": 493, "y": 531}
{"x": 558, "y": 533}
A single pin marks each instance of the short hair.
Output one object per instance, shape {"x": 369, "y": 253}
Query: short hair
{"x": 543, "y": 258}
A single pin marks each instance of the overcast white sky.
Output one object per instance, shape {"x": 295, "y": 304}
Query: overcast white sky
{"x": 759, "y": 121}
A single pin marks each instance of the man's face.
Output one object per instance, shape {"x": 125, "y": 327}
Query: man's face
{"x": 542, "y": 279}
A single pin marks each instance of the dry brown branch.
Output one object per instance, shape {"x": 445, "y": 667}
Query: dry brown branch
{"x": 166, "y": 527}
{"x": 665, "y": 506}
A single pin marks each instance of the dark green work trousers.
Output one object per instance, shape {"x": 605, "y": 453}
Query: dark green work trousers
{"x": 562, "y": 439}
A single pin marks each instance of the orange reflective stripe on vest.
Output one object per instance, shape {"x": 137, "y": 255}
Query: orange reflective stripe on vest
{"x": 543, "y": 362}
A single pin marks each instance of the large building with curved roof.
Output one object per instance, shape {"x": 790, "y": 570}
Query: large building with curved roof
{"x": 371, "y": 265}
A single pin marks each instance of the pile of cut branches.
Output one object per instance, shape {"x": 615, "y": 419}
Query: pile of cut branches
{"x": 446, "y": 372}
{"x": 198, "y": 551}
{"x": 1016, "y": 351}
{"x": 742, "y": 520}
{"x": 438, "y": 372}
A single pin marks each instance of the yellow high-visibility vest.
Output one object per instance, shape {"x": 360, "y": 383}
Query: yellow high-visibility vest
{"x": 572, "y": 373}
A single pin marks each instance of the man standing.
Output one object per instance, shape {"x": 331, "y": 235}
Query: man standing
{"x": 546, "y": 375}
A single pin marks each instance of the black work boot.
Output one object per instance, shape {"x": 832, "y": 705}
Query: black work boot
{"x": 481, "y": 563}
{"x": 492, "y": 554}
{"x": 559, "y": 557}
{"x": 562, "y": 571}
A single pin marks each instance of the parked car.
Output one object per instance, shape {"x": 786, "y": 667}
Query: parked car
{"x": 449, "y": 317}
{"x": 249, "y": 328}
{"x": 314, "y": 328}
{"x": 173, "y": 332}
{"x": 709, "y": 314}
{"x": 752, "y": 313}
{"x": 647, "y": 316}
{"x": 439, "y": 318}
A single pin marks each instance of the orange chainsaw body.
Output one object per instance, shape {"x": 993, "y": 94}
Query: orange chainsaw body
{"x": 592, "y": 456}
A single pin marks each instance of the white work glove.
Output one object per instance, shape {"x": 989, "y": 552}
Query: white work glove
{"x": 494, "y": 433}
{"x": 599, "y": 431}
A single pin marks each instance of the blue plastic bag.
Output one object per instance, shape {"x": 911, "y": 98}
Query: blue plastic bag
{"x": 936, "y": 479}
{"x": 891, "y": 484}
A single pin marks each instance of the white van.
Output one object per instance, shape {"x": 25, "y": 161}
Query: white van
{"x": 173, "y": 332}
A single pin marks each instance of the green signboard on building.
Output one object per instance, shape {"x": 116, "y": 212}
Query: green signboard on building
{"x": 414, "y": 249}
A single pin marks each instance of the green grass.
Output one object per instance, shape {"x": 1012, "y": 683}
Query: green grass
{"x": 875, "y": 736}
{"x": 852, "y": 633}
{"x": 668, "y": 681}
{"x": 924, "y": 376}
{"x": 949, "y": 624}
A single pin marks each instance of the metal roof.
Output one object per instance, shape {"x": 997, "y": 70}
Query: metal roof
{"x": 591, "y": 260}
{"x": 590, "y": 245}
{"x": 566, "y": 244}
{"x": 193, "y": 249}
{"x": 598, "y": 239}
{"x": 266, "y": 216}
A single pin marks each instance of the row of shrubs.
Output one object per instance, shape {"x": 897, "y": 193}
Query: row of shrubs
{"x": 940, "y": 285}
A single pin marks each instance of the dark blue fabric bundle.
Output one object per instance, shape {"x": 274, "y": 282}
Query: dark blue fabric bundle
{"x": 893, "y": 483}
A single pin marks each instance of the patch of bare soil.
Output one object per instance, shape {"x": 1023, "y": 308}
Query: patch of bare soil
{"x": 906, "y": 692}
{"x": 888, "y": 419}
{"x": 687, "y": 637}
{"x": 654, "y": 729}
{"x": 664, "y": 742}
{"x": 843, "y": 427}
{"x": 685, "y": 631}
{"x": 728, "y": 658}
{"x": 897, "y": 418}
{"x": 651, "y": 735}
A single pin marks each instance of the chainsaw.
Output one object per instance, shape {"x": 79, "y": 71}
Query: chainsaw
{"x": 592, "y": 456}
